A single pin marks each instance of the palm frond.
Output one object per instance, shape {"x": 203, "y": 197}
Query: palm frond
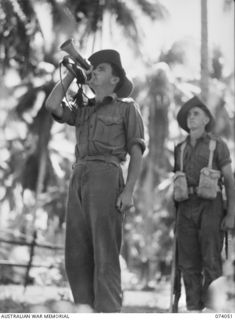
{"x": 153, "y": 9}
{"x": 175, "y": 55}
{"x": 18, "y": 28}
{"x": 228, "y": 5}
{"x": 126, "y": 19}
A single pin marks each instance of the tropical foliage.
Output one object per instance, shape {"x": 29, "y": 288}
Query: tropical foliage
{"x": 36, "y": 154}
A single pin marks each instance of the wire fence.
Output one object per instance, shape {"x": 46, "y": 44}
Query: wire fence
{"x": 32, "y": 246}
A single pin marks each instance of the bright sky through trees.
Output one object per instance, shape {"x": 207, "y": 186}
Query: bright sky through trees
{"x": 184, "y": 23}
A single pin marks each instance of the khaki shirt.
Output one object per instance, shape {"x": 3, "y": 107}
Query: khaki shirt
{"x": 195, "y": 158}
{"x": 109, "y": 128}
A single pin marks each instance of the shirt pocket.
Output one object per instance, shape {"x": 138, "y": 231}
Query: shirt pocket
{"x": 109, "y": 130}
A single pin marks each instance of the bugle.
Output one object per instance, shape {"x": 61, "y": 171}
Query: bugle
{"x": 68, "y": 46}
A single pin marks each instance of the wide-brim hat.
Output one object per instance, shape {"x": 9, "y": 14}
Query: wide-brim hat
{"x": 188, "y": 105}
{"x": 113, "y": 57}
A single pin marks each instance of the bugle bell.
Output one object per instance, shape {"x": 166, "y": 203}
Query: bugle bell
{"x": 68, "y": 46}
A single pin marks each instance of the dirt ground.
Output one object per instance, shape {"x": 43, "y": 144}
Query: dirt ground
{"x": 49, "y": 299}
{"x": 14, "y": 299}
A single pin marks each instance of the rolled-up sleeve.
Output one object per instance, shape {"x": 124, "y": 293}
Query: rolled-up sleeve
{"x": 68, "y": 116}
{"x": 134, "y": 127}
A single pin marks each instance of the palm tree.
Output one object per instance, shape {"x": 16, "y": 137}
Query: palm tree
{"x": 101, "y": 14}
{"x": 21, "y": 23}
{"x": 158, "y": 97}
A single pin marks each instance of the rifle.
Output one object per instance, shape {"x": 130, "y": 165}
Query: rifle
{"x": 175, "y": 278}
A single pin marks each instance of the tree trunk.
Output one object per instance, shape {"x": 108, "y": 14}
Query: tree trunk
{"x": 158, "y": 97}
{"x": 204, "y": 52}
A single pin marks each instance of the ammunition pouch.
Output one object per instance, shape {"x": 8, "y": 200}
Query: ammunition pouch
{"x": 208, "y": 183}
{"x": 180, "y": 186}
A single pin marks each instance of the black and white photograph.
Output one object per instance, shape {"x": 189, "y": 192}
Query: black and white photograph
{"x": 117, "y": 159}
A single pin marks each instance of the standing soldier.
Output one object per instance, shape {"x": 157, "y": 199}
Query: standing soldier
{"x": 202, "y": 165}
{"x": 107, "y": 128}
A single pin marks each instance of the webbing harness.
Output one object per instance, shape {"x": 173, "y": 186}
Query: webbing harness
{"x": 212, "y": 146}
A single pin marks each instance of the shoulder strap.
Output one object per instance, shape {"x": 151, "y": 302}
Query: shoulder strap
{"x": 182, "y": 147}
{"x": 212, "y": 146}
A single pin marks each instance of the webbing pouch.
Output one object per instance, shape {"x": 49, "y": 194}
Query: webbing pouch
{"x": 180, "y": 181}
{"x": 208, "y": 182}
{"x": 180, "y": 186}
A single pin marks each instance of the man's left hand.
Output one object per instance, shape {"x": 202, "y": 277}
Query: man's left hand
{"x": 228, "y": 223}
{"x": 124, "y": 201}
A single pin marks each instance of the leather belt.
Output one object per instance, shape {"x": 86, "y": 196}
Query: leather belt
{"x": 105, "y": 158}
